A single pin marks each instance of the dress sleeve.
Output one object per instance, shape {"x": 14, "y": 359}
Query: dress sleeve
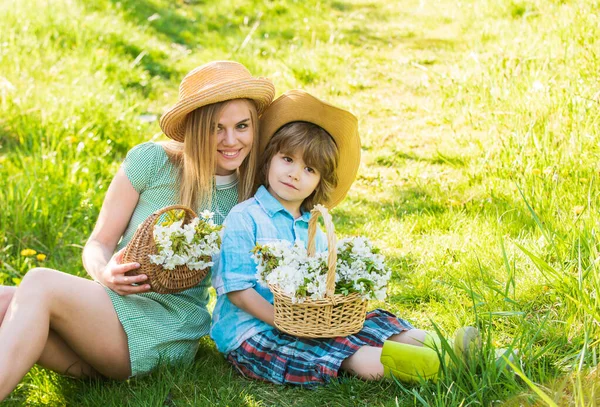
{"x": 236, "y": 269}
{"x": 140, "y": 164}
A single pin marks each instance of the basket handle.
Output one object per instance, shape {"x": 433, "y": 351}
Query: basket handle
{"x": 331, "y": 244}
{"x": 189, "y": 214}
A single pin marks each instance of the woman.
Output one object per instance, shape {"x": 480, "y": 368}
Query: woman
{"x": 118, "y": 328}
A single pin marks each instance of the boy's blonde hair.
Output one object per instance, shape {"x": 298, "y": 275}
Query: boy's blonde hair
{"x": 195, "y": 157}
{"x": 319, "y": 151}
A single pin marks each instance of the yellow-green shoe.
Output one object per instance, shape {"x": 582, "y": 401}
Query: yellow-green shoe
{"x": 467, "y": 345}
{"x": 512, "y": 355}
{"x": 409, "y": 363}
{"x": 467, "y": 342}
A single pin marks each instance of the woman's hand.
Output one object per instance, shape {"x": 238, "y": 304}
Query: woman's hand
{"x": 113, "y": 276}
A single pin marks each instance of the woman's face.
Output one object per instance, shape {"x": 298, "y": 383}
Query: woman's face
{"x": 235, "y": 134}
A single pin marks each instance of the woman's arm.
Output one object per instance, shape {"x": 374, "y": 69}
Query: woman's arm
{"x": 254, "y": 304}
{"x": 98, "y": 258}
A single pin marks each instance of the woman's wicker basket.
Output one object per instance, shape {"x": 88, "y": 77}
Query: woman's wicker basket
{"x": 334, "y": 315}
{"x": 142, "y": 245}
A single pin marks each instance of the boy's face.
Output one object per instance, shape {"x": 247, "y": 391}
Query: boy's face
{"x": 291, "y": 181}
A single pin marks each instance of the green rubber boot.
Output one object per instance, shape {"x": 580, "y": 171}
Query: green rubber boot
{"x": 411, "y": 363}
{"x": 466, "y": 343}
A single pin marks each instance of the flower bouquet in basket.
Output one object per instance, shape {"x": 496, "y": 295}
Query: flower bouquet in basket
{"x": 322, "y": 295}
{"x": 177, "y": 253}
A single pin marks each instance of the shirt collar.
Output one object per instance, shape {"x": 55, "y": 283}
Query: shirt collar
{"x": 271, "y": 205}
{"x": 221, "y": 180}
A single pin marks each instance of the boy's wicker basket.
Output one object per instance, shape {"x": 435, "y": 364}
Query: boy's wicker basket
{"x": 142, "y": 245}
{"x": 336, "y": 314}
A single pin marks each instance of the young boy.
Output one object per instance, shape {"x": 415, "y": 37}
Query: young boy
{"x": 308, "y": 141}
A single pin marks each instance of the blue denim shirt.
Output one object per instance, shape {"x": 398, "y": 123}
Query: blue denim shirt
{"x": 258, "y": 220}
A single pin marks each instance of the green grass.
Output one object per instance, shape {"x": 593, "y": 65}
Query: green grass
{"x": 480, "y": 127}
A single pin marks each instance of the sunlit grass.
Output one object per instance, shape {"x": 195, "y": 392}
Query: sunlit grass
{"x": 479, "y": 178}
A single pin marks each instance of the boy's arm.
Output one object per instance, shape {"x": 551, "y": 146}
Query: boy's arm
{"x": 236, "y": 271}
{"x": 254, "y": 304}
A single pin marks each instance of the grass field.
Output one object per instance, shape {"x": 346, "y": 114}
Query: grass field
{"x": 480, "y": 172}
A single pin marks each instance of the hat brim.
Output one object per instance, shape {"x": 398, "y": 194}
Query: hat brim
{"x": 260, "y": 90}
{"x": 297, "y": 105}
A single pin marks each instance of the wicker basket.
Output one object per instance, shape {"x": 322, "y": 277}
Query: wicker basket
{"x": 142, "y": 245}
{"x": 336, "y": 314}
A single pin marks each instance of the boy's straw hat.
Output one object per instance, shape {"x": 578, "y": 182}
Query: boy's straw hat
{"x": 300, "y": 106}
{"x": 214, "y": 82}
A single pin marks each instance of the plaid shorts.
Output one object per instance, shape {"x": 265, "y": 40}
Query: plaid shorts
{"x": 280, "y": 358}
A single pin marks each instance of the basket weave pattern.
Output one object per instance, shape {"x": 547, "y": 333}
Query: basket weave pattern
{"x": 142, "y": 245}
{"x": 336, "y": 314}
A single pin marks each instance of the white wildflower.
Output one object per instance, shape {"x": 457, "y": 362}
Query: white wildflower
{"x": 193, "y": 244}
{"x": 359, "y": 269}
{"x": 206, "y": 214}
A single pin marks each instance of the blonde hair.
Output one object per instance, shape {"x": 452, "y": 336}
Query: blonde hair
{"x": 318, "y": 149}
{"x": 195, "y": 157}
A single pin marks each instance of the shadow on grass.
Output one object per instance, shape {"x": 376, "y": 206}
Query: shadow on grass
{"x": 186, "y": 30}
{"x": 8, "y": 140}
{"x": 403, "y": 268}
{"x": 433, "y": 44}
{"x": 397, "y": 157}
{"x": 156, "y": 63}
{"x": 400, "y": 203}
{"x": 358, "y": 6}
{"x": 358, "y": 36}
{"x": 209, "y": 381}
{"x": 23, "y": 132}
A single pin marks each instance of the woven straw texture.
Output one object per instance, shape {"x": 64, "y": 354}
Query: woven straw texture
{"x": 142, "y": 245}
{"x": 215, "y": 82}
{"x": 298, "y": 105}
{"x": 334, "y": 315}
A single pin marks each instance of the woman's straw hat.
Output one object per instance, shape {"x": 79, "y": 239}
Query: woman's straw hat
{"x": 214, "y": 82}
{"x": 299, "y": 106}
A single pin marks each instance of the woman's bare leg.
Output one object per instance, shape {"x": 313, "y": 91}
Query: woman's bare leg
{"x": 80, "y": 313}
{"x": 57, "y": 355}
{"x": 6, "y": 294}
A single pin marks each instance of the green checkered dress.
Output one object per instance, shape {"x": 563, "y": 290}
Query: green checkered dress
{"x": 164, "y": 327}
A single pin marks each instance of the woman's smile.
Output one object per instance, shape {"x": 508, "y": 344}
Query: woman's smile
{"x": 230, "y": 153}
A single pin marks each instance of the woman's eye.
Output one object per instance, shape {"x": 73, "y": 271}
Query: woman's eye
{"x": 242, "y": 126}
